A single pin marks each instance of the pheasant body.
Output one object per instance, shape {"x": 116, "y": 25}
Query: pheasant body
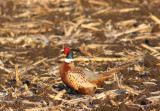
{"x": 76, "y": 79}
{"x": 80, "y": 80}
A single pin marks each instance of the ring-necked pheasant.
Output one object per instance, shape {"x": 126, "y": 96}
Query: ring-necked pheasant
{"x": 80, "y": 80}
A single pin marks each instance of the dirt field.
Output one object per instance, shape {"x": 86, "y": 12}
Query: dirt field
{"x": 108, "y": 33}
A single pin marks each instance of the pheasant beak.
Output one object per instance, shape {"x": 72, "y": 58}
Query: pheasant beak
{"x": 62, "y": 50}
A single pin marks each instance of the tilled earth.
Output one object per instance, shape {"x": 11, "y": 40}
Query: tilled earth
{"x": 33, "y": 34}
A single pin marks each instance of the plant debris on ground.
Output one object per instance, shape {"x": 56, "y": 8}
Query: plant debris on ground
{"x": 108, "y": 33}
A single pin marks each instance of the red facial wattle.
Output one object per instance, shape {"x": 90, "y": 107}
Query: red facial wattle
{"x": 66, "y": 50}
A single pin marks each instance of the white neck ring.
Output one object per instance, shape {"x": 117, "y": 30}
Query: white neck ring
{"x": 68, "y": 60}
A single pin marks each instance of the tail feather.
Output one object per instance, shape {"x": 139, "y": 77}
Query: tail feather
{"x": 118, "y": 69}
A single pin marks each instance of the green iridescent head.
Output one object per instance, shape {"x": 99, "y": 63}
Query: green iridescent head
{"x": 70, "y": 55}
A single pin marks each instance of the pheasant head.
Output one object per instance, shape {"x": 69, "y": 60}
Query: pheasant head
{"x": 69, "y": 55}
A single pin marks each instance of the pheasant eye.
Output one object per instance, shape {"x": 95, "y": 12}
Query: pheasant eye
{"x": 66, "y": 50}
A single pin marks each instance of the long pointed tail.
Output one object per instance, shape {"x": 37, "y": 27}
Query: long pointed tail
{"x": 118, "y": 69}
